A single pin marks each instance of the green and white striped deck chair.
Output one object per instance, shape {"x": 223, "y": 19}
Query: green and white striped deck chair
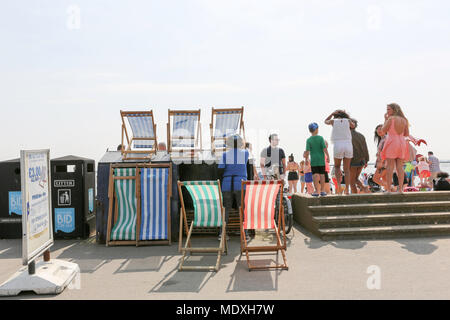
{"x": 122, "y": 229}
{"x": 208, "y": 213}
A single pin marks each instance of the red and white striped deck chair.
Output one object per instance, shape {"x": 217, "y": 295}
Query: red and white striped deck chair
{"x": 258, "y": 212}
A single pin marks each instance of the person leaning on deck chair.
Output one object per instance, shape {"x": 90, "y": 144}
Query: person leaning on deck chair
{"x": 233, "y": 168}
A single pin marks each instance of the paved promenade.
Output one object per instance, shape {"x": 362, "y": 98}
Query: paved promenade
{"x": 351, "y": 269}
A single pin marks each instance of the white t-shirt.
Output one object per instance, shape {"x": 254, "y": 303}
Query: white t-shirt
{"x": 341, "y": 131}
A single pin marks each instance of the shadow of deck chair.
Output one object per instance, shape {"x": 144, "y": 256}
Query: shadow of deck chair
{"x": 143, "y": 142}
{"x": 123, "y": 200}
{"x": 225, "y": 122}
{"x": 259, "y": 213}
{"x": 184, "y": 133}
{"x": 208, "y": 213}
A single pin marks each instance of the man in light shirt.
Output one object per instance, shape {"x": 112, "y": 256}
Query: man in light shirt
{"x": 434, "y": 166}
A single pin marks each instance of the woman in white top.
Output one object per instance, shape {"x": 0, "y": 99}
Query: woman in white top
{"x": 341, "y": 137}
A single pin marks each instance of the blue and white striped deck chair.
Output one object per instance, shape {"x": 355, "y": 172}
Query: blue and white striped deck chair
{"x": 143, "y": 141}
{"x": 208, "y": 213}
{"x": 155, "y": 205}
{"x": 225, "y": 122}
{"x": 184, "y": 131}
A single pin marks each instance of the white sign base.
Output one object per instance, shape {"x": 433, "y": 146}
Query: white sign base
{"x": 50, "y": 278}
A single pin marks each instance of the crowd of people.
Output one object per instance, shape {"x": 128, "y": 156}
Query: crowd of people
{"x": 396, "y": 166}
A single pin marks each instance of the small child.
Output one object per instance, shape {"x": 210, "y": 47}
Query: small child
{"x": 308, "y": 176}
{"x": 424, "y": 170}
{"x": 316, "y": 148}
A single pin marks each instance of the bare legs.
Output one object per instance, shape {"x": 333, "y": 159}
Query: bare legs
{"x": 319, "y": 182}
{"x": 293, "y": 186}
{"x": 338, "y": 172}
{"x": 354, "y": 175}
{"x": 398, "y": 165}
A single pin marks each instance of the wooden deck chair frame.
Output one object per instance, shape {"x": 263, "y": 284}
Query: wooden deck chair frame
{"x": 197, "y": 138}
{"x": 130, "y": 153}
{"x": 188, "y": 249}
{"x": 214, "y": 113}
{"x": 279, "y": 247}
{"x": 113, "y": 204}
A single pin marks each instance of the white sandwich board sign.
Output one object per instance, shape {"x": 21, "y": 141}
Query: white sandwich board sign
{"x": 36, "y": 204}
{"x": 43, "y": 277}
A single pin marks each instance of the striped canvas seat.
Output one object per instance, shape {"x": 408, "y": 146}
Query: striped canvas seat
{"x": 142, "y": 127}
{"x": 154, "y": 208}
{"x": 258, "y": 212}
{"x": 227, "y": 123}
{"x": 206, "y": 196}
{"x": 208, "y": 213}
{"x": 125, "y": 226}
{"x": 260, "y": 197}
{"x": 224, "y": 123}
{"x": 139, "y": 139}
{"x": 184, "y": 132}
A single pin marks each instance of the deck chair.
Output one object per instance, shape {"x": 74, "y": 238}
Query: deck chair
{"x": 123, "y": 195}
{"x": 208, "y": 213}
{"x": 143, "y": 143}
{"x": 154, "y": 220}
{"x": 259, "y": 213}
{"x": 225, "y": 122}
{"x": 184, "y": 131}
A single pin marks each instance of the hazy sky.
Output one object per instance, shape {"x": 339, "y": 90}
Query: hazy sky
{"x": 68, "y": 67}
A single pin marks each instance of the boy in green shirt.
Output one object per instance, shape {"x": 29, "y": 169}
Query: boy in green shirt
{"x": 316, "y": 148}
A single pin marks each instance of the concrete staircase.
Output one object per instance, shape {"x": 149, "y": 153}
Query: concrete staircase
{"x": 374, "y": 216}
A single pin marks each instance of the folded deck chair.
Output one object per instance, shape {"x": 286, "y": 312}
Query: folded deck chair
{"x": 225, "y": 122}
{"x": 154, "y": 220}
{"x": 259, "y": 213}
{"x": 208, "y": 213}
{"x": 184, "y": 131}
{"x": 123, "y": 201}
{"x": 143, "y": 142}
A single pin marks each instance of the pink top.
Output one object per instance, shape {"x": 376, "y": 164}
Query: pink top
{"x": 395, "y": 146}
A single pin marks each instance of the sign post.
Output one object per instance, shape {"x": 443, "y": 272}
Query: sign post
{"x": 44, "y": 277}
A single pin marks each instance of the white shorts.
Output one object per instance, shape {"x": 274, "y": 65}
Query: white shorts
{"x": 343, "y": 149}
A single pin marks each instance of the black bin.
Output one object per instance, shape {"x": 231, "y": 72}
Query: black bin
{"x": 73, "y": 197}
{"x": 10, "y": 200}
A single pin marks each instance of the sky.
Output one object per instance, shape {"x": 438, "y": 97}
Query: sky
{"x": 69, "y": 67}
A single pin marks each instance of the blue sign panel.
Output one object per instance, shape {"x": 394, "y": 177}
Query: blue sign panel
{"x": 15, "y": 202}
{"x": 65, "y": 219}
{"x": 91, "y": 199}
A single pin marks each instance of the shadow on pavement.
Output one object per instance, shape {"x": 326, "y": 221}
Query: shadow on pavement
{"x": 422, "y": 246}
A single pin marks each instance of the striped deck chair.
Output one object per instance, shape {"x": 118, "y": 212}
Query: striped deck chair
{"x": 225, "y": 122}
{"x": 259, "y": 213}
{"x": 208, "y": 213}
{"x": 123, "y": 200}
{"x": 154, "y": 220}
{"x": 143, "y": 143}
{"x": 184, "y": 131}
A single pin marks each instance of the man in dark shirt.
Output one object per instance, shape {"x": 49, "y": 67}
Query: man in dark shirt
{"x": 273, "y": 156}
{"x": 360, "y": 158}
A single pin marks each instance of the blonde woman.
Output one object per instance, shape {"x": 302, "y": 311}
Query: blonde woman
{"x": 395, "y": 150}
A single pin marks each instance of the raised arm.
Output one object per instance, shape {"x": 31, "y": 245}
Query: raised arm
{"x": 328, "y": 119}
{"x": 386, "y": 125}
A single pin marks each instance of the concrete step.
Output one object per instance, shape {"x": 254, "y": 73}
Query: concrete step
{"x": 385, "y": 231}
{"x": 378, "y": 198}
{"x": 383, "y": 219}
{"x": 374, "y": 208}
